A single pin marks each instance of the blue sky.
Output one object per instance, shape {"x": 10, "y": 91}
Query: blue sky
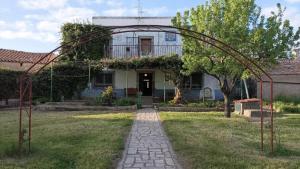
{"x": 33, "y": 25}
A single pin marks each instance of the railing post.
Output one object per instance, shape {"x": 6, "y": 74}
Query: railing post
{"x": 272, "y": 130}
{"x": 20, "y": 114}
{"x": 30, "y": 112}
{"x": 261, "y": 117}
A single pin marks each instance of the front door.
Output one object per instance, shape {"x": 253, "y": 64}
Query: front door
{"x": 145, "y": 83}
{"x": 145, "y": 46}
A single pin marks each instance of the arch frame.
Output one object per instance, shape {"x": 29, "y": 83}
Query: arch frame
{"x": 25, "y": 80}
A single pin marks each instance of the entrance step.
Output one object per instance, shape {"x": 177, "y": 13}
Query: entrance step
{"x": 147, "y": 100}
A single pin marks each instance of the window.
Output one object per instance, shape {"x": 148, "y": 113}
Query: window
{"x": 194, "y": 81}
{"x": 170, "y": 36}
{"x": 197, "y": 79}
{"x": 104, "y": 79}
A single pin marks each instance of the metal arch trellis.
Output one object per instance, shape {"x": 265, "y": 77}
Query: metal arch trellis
{"x": 25, "y": 104}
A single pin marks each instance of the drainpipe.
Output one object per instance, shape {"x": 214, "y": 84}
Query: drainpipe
{"x": 165, "y": 88}
{"x": 51, "y": 84}
{"x": 246, "y": 89}
{"x": 126, "y": 81}
{"x": 90, "y": 86}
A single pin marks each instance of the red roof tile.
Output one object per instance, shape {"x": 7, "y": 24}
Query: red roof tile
{"x": 22, "y": 57}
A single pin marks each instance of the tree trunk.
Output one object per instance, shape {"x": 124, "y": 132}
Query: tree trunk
{"x": 6, "y": 102}
{"x": 227, "y": 107}
{"x": 178, "y": 96}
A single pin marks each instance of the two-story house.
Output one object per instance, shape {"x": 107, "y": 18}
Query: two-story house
{"x": 151, "y": 82}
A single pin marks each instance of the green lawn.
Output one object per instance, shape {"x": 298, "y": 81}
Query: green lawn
{"x": 208, "y": 140}
{"x": 63, "y": 140}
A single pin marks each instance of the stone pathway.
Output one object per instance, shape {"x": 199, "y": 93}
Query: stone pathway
{"x": 147, "y": 146}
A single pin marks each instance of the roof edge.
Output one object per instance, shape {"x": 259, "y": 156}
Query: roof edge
{"x": 132, "y": 17}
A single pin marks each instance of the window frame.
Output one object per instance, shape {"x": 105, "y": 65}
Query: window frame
{"x": 104, "y": 79}
{"x": 168, "y": 39}
{"x": 190, "y": 85}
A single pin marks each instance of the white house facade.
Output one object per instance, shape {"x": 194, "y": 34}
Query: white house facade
{"x": 151, "y": 82}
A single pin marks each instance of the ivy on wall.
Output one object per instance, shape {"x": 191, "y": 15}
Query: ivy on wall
{"x": 172, "y": 63}
{"x": 88, "y": 49}
{"x": 69, "y": 80}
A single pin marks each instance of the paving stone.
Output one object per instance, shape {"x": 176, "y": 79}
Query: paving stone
{"x": 147, "y": 146}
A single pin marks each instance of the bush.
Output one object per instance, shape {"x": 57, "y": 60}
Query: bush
{"x": 286, "y": 107}
{"x": 287, "y": 104}
{"x": 288, "y": 99}
{"x": 205, "y": 104}
{"x": 105, "y": 97}
{"x": 124, "y": 102}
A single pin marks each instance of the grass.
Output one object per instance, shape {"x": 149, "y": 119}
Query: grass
{"x": 66, "y": 140}
{"x": 208, "y": 140}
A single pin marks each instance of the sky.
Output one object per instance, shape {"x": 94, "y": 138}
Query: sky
{"x": 34, "y": 25}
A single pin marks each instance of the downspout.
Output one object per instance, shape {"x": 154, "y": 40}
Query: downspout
{"x": 51, "y": 83}
{"x": 165, "y": 88}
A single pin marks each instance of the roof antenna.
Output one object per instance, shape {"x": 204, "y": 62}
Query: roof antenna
{"x": 140, "y": 11}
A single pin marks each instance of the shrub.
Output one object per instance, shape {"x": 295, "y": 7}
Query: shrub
{"x": 106, "y": 97}
{"x": 287, "y": 104}
{"x": 288, "y": 99}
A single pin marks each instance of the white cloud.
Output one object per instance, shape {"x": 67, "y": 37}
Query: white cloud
{"x": 115, "y": 12}
{"x": 89, "y": 2}
{"x": 155, "y": 11}
{"x": 42, "y": 4}
{"x": 123, "y": 11}
{"x": 46, "y": 26}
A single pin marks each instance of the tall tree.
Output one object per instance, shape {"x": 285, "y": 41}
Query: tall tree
{"x": 240, "y": 24}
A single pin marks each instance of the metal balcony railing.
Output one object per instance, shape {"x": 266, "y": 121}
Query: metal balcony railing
{"x": 136, "y": 51}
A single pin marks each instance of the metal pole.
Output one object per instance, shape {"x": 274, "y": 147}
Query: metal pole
{"x": 90, "y": 75}
{"x": 165, "y": 88}
{"x": 30, "y": 112}
{"x": 20, "y": 115}
{"x": 261, "y": 117}
{"x": 272, "y": 130}
{"x": 246, "y": 88}
{"x": 126, "y": 81}
{"x": 51, "y": 85}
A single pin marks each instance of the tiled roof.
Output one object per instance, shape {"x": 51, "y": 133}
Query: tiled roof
{"x": 22, "y": 57}
{"x": 287, "y": 67}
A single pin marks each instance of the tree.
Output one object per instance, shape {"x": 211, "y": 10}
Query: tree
{"x": 240, "y": 24}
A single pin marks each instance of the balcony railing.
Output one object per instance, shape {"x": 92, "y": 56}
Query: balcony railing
{"x": 136, "y": 51}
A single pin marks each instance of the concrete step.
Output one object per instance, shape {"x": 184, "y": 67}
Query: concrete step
{"x": 255, "y": 113}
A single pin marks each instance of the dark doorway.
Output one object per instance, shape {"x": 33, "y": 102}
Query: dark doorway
{"x": 145, "y": 83}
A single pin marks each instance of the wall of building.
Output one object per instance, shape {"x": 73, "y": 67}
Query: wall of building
{"x": 17, "y": 66}
{"x": 130, "y": 41}
{"x": 286, "y": 85}
{"x": 192, "y": 94}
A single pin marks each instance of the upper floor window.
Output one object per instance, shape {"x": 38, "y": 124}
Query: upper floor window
{"x": 171, "y": 37}
{"x": 104, "y": 79}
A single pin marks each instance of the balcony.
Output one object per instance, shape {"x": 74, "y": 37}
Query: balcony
{"x": 137, "y": 51}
